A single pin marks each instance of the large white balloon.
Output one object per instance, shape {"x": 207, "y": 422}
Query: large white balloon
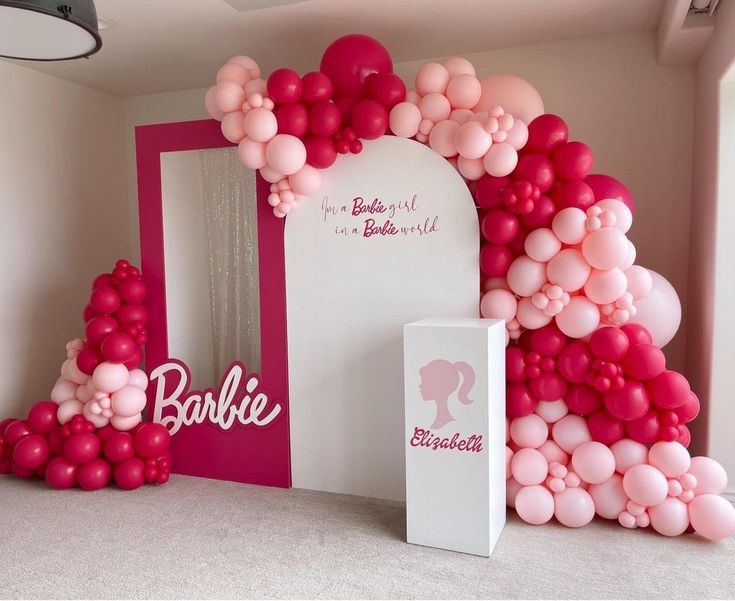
{"x": 659, "y": 311}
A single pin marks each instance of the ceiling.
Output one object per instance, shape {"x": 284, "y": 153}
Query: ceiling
{"x": 167, "y": 45}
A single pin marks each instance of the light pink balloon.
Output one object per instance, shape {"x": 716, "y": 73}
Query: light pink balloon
{"x": 639, "y": 281}
{"x": 526, "y": 276}
{"x": 645, "y": 485}
{"x": 306, "y": 180}
{"x": 69, "y": 409}
{"x": 529, "y": 431}
{"x": 574, "y": 507}
{"x": 542, "y": 244}
{"x": 62, "y": 391}
{"x": 711, "y": 476}
{"x": 568, "y": 269}
{"x": 570, "y": 432}
{"x": 432, "y": 78}
{"x": 252, "y": 153}
{"x": 508, "y": 459}
{"x": 579, "y": 318}
{"x": 498, "y": 304}
{"x": 463, "y": 91}
{"x": 260, "y": 124}
{"x": 511, "y": 490}
{"x": 441, "y": 138}
{"x": 461, "y": 115}
{"x": 256, "y": 86}
{"x": 529, "y": 467}
{"x": 210, "y": 105}
{"x": 138, "y": 379}
{"x": 233, "y": 126}
{"x": 628, "y": 453}
{"x": 605, "y": 248}
{"x": 472, "y": 140}
{"x": 514, "y": 94}
{"x": 471, "y": 169}
{"x": 629, "y": 257}
{"x": 670, "y": 518}
{"x": 553, "y": 453}
{"x": 593, "y": 462}
{"x": 671, "y": 458}
{"x": 98, "y": 420}
{"x": 123, "y": 423}
{"x": 234, "y": 72}
{"x": 246, "y": 63}
{"x": 404, "y": 120}
{"x": 128, "y": 401}
{"x": 458, "y": 65}
{"x": 712, "y": 516}
{"x": 605, "y": 286}
{"x": 517, "y": 135}
{"x": 271, "y": 175}
{"x": 83, "y": 393}
{"x": 569, "y": 225}
{"x": 228, "y": 96}
{"x": 534, "y": 504}
{"x": 435, "y": 107}
{"x": 660, "y": 311}
{"x": 609, "y": 497}
{"x": 286, "y": 154}
{"x": 623, "y": 216}
{"x": 552, "y": 411}
{"x": 500, "y": 159}
{"x": 530, "y": 316}
{"x": 72, "y": 373}
{"x": 110, "y": 377}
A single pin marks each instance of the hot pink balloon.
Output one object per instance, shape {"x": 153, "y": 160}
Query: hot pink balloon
{"x": 514, "y": 94}
{"x": 609, "y": 497}
{"x": 605, "y": 248}
{"x": 712, "y": 516}
{"x": 659, "y": 311}
{"x": 404, "y": 119}
{"x": 534, "y": 504}
{"x": 570, "y": 432}
{"x": 574, "y": 507}
{"x": 500, "y": 159}
{"x": 645, "y": 485}
{"x": 593, "y": 462}
{"x": 579, "y": 318}
{"x": 529, "y": 467}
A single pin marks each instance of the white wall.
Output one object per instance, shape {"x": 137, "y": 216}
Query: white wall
{"x": 64, "y": 220}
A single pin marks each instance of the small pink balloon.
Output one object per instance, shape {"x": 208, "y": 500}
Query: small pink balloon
{"x": 305, "y": 181}
{"x": 110, "y": 377}
{"x": 645, "y": 485}
{"x": 568, "y": 269}
{"x": 228, "y": 96}
{"x": 233, "y": 126}
{"x": 671, "y": 458}
{"x": 515, "y": 95}
{"x": 529, "y": 431}
{"x": 570, "y": 432}
{"x": 498, "y": 304}
{"x": 623, "y": 215}
{"x": 526, "y": 276}
{"x": 593, "y": 462}
{"x": 529, "y": 467}
{"x": 260, "y": 124}
{"x": 534, "y": 504}
{"x": 124, "y": 423}
{"x": 286, "y": 154}
{"x": 472, "y": 140}
{"x": 517, "y": 135}
{"x": 542, "y": 245}
{"x": 461, "y": 115}
{"x": 569, "y": 225}
{"x": 511, "y": 490}
{"x": 210, "y": 106}
{"x": 441, "y": 138}
{"x": 639, "y": 281}
{"x": 711, "y": 476}
{"x": 670, "y": 518}
{"x": 271, "y": 175}
{"x": 712, "y": 516}
{"x": 605, "y": 286}
{"x": 530, "y": 316}
{"x": 553, "y": 452}
{"x": 628, "y": 453}
{"x": 432, "y": 78}
{"x": 435, "y": 107}
{"x": 458, "y": 65}
{"x": 579, "y": 318}
{"x": 98, "y": 419}
{"x": 471, "y": 169}
{"x": 404, "y": 119}
{"x": 252, "y": 153}
{"x": 552, "y": 411}
{"x": 609, "y": 497}
{"x": 128, "y": 401}
{"x": 500, "y": 160}
{"x": 69, "y": 409}
{"x": 83, "y": 393}
{"x": 234, "y": 72}
{"x": 574, "y": 507}
{"x": 605, "y": 248}
{"x": 463, "y": 91}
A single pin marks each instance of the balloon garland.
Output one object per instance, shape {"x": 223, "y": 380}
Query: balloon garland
{"x": 91, "y": 432}
{"x": 595, "y": 423}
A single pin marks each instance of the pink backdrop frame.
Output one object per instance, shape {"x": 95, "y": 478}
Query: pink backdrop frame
{"x": 243, "y": 454}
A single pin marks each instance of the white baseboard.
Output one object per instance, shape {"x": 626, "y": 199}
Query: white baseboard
{"x": 729, "y": 494}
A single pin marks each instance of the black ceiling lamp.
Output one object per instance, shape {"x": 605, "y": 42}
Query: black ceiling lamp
{"x": 48, "y": 30}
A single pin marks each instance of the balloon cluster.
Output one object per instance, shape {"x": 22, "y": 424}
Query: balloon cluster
{"x": 444, "y": 111}
{"x": 76, "y": 453}
{"x": 290, "y": 127}
{"x": 99, "y": 378}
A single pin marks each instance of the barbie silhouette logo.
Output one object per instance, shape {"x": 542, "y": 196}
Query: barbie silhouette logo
{"x": 439, "y": 380}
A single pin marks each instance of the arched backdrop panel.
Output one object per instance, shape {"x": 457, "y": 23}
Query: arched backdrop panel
{"x": 391, "y": 237}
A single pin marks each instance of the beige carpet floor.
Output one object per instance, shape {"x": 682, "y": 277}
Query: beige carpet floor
{"x": 197, "y": 538}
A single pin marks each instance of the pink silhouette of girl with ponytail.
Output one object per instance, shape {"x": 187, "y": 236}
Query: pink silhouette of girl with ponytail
{"x": 439, "y": 379}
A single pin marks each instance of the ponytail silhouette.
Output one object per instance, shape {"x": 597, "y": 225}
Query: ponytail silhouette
{"x": 439, "y": 379}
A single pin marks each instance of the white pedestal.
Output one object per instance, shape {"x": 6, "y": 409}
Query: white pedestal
{"x": 454, "y": 373}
